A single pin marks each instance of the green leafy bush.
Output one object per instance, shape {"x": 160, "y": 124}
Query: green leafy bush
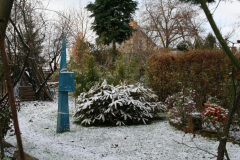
{"x": 119, "y": 105}
{"x": 86, "y": 74}
{"x": 126, "y": 68}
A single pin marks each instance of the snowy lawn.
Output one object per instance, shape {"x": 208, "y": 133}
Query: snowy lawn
{"x": 159, "y": 140}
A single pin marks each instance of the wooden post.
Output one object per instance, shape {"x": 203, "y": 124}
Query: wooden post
{"x": 194, "y": 123}
{"x": 11, "y": 97}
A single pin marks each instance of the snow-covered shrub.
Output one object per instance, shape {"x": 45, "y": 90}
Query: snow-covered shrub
{"x": 119, "y": 105}
{"x": 214, "y": 116}
{"x": 183, "y": 105}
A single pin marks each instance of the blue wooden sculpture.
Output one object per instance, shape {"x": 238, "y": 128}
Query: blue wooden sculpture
{"x": 66, "y": 84}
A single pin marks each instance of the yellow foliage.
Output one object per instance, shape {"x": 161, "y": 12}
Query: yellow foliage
{"x": 80, "y": 47}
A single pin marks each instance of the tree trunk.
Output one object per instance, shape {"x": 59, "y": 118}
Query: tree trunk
{"x": 114, "y": 51}
{"x": 223, "y": 139}
{"x": 224, "y": 135}
{"x": 219, "y": 35}
{"x": 5, "y": 10}
{"x": 11, "y": 98}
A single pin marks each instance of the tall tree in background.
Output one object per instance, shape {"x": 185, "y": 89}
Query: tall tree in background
{"x": 210, "y": 41}
{"x": 168, "y": 21}
{"x": 32, "y": 26}
{"x": 198, "y": 43}
{"x": 32, "y": 31}
{"x": 80, "y": 22}
{"x": 111, "y": 18}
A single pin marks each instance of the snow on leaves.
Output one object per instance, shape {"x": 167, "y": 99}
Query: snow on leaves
{"x": 119, "y": 105}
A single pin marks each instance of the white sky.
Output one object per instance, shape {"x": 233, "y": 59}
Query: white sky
{"x": 226, "y": 15}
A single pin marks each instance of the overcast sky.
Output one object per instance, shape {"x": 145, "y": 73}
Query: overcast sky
{"x": 226, "y": 15}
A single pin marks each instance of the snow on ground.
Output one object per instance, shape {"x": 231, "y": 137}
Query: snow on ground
{"x": 159, "y": 140}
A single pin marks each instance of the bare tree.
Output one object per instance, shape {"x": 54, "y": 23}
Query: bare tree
{"x": 190, "y": 24}
{"x": 41, "y": 34}
{"x": 80, "y": 22}
{"x": 168, "y": 21}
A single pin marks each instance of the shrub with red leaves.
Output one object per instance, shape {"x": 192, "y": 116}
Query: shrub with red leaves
{"x": 215, "y": 114}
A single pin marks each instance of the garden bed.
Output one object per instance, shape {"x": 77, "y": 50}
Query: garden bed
{"x": 234, "y": 136}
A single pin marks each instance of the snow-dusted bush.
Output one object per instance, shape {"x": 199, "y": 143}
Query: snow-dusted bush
{"x": 119, "y": 105}
{"x": 182, "y": 105}
{"x": 214, "y": 116}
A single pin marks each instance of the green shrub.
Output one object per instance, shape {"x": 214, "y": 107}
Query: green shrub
{"x": 126, "y": 68}
{"x": 86, "y": 74}
{"x": 120, "y": 105}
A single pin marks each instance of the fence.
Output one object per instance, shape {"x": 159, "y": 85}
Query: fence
{"x": 3, "y": 88}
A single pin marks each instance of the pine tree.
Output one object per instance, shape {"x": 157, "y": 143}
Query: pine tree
{"x": 111, "y": 19}
{"x": 32, "y": 33}
{"x": 33, "y": 38}
{"x": 198, "y": 43}
{"x": 210, "y": 41}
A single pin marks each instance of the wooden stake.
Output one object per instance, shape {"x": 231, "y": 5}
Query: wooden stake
{"x": 11, "y": 98}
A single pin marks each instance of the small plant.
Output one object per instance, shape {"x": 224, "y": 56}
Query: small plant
{"x": 214, "y": 115}
{"x": 6, "y": 120}
{"x": 183, "y": 105}
{"x": 119, "y": 105}
{"x": 213, "y": 100}
{"x": 6, "y": 116}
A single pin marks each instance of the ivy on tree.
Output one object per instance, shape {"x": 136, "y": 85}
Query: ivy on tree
{"x": 111, "y": 19}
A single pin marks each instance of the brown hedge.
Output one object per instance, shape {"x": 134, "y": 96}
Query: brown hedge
{"x": 205, "y": 71}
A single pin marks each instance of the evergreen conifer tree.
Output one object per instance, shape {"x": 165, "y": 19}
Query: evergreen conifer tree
{"x": 32, "y": 33}
{"x": 210, "y": 41}
{"x": 198, "y": 43}
{"x": 111, "y": 19}
{"x": 35, "y": 40}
